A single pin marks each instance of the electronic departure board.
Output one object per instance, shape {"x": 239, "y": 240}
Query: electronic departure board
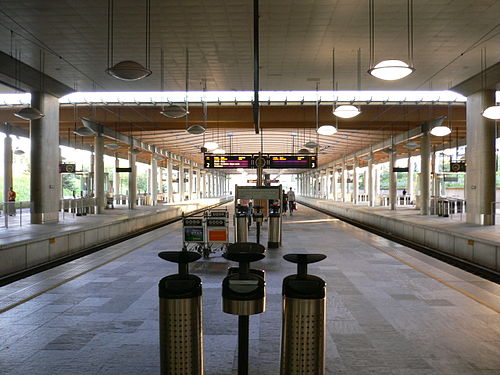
{"x": 292, "y": 161}
{"x": 228, "y": 161}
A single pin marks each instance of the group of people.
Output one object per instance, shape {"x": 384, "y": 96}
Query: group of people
{"x": 288, "y": 202}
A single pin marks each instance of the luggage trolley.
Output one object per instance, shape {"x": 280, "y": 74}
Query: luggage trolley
{"x": 217, "y": 231}
{"x": 193, "y": 233}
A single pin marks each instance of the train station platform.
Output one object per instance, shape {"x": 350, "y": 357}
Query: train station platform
{"x": 29, "y": 245}
{"x": 390, "y": 309}
{"x": 479, "y": 245}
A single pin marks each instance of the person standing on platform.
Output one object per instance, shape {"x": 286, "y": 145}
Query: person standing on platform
{"x": 11, "y": 197}
{"x": 291, "y": 201}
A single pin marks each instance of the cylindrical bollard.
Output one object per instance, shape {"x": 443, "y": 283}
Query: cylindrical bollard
{"x": 274, "y": 235}
{"x": 241, "y": 227}
{"x": 243, "y": 293}
{"x": 304, "y": 319}
{"x": 181, "y": 333}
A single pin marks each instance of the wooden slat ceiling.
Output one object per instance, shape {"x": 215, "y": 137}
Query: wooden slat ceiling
{"x": 374, "y": 124}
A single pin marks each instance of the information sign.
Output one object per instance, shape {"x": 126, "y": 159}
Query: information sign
{"x": 292, "y": 161}
{"x": 193, "y": 234}
{"x": 400, "y": 169}
{"x": 228, "y": 161}
{"x": 127, "y": 169}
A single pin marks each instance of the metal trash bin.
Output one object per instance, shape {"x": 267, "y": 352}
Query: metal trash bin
{"x": 304, "y": 319}
{"x": 274, "y": 234}
{"x": 181, "y": 333}
{"x": 243, "y": 294}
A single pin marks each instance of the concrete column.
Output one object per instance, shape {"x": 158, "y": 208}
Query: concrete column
{"x": 7, "y": 167}
{"x": 204, "y": 185}
{"x": 99, "y": 173}
{"x": 425, "y": 172}
{"x": 191, "y": 185}
{"x": 410, "y": 177}
{"x": 334, "y": 183}
{"x": 355, "y": 182}
{"x": 343, "y": 182}
{"x": 198, "y": 184}
{"x": 116, "y": 179}
{"x": 377, "y": 183}
{"x": 154, "y": 180}
{"x": 480, "y": 156}
{"x": 44, "y": 135}
{"x": 393, "y": 193}
{"x": 434, "y": 189}
{"x": 132, "y": 179}
{"x": 91, "y": 187}
{"x": 369, "y": 185}
{"x": 170, "y": 185}
{"x": 182, "y": 186}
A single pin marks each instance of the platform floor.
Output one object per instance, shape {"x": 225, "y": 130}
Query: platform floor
{"x": 455, "y": 223}
{"x": 25, "y": 231}
{"x": 391, "y": 310}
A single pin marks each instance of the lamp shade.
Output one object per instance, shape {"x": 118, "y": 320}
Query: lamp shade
{"x": 174, "y": 111}
{"x": 311, "y": 144}
{"x": 440, "y": 131}
{"x": 83, "y": 131}
{"x": 112, "y": 146}
{"x": 210, "y": 146}
{"x": 346, "y": 111}
{"x": 219, "y": 151}
{"x": 128, "y": 71}
{"x": 18, "y": 151}
{"x": 29, "y": 114}
{"x": 412, "y": 145}
{"x": 493, "y": 112}
{"x": 196, "y": 129}
{"x": 391, "y": 70}
{"x": 327, "y": 130}
{"x": 304, "y": 151}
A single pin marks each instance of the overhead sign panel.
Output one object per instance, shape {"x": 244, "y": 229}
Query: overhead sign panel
{"x": 292, "y": 161}
{"x": 228, "y": 161}
{"x": 267, "y": 161}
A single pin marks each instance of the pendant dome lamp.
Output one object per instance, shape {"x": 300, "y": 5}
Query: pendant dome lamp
{"x": 492, "y": 112}
{"x": 128, "y": 70}
{"x": 391, "y": 70}
{"x": 346, "y": 110}
{"x": 31, "y": 113}
{"x": 438, "y": 129}
{"x": 172, "y": 110}
{"x": 198, "y": 129}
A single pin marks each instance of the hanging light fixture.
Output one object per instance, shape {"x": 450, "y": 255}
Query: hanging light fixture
{"x": 438, "y": 129}
{"x": 198, "y": 129}
{"x": 112, "y": 146}
{"x": 219, "y": 151}
{"x": 391, "y": 70}
{"x": 18, "y": 151}
{"x": 304, "y": 151}
{"x": 29, "y": 114}
{"x": 83, "y": 131}
{"x": 311, "y": 144}
{"x": 128, "y": 70}
{"x": 32, "y": 113}
{"x": 211, "y": 146}
{"x": 492, "y": 112}
{"x": 412, "y": 145}
{"x": 346, "y": 110}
